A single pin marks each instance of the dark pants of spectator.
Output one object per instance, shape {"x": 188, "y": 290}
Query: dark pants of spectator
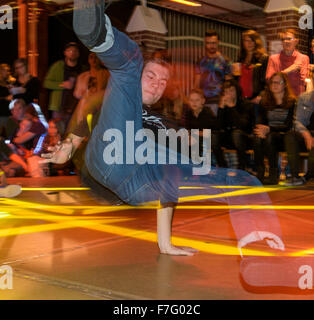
{"x": 270, "y": 147}
{"x": 295, "y": 145}
{"x": 234, "y": 139}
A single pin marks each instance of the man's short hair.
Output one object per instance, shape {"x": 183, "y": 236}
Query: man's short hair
{"x": 71, "y": 44}
{"x": 159, "y": 60}
{"x": 212, "y": 33}
{"x": 197, "y": 91}
{"x": 292, "y": 31}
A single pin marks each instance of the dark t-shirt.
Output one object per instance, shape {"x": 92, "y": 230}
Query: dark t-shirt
{"x": 205, "y": 120}
{"x": 4, "y": 103}
{"x": 32, "y": 90}
{"x": 69, "y": 102}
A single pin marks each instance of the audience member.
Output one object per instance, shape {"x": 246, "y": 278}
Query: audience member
{"x": 236, "y": 120}
{"x": 26, "y": 86}
{"x": 96, "y": 78}
{"x": 252, "y": 66}
{"x": 60, "y": 79}
{"x": 173, "y": 104}
{"x": 274, "y": 123}
{"x": 199, "y": 117}
{"x": 302, "y": 140}
{"x": 291, "y": 62}
{"x": 5, "y": 96}
{"x": 212, "y": 70}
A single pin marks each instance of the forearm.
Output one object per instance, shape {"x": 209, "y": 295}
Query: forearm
{"x": 164, "y": 224}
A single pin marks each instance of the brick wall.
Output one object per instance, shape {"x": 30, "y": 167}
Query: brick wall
{"x": 277, "y": 22}
{"x": 149, "y": 41}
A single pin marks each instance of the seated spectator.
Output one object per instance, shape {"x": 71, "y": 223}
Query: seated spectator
{"x": 27, "y": 141}
{"x": 53, "y": 137}
{"x": 302, "y": 140}
{"x": 236, "y": 120}
{"x": 5, "y": 96}
{"x": 274, "y": 123}
{"x": 252, "y": 66}
{"x": 172, "y": 104}
{"x": 26, "y": 86}
{"x": 199, "y": 117}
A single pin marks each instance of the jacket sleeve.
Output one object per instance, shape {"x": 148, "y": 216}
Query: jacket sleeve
{"x": 303, "y": 114}
{"x": 53, "y": 78}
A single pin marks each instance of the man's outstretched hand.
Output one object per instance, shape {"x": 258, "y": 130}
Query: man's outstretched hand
{"x": 60, "y": 153}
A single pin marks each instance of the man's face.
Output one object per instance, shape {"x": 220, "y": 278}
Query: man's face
{"x": 289, "y": 42}
{"x": 211, "y": 44}
{"x": 154, "y": 82}
{"x": 71, "y": 53}
{"x": 196, "y": 102}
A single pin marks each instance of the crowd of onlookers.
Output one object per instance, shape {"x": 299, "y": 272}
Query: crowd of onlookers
{"x": 260, "y": 102}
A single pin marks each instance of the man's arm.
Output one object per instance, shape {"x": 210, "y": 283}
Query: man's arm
{"x": 271, "y": 68}
{"x": 164, "y": 226}
{"x": 64, "y": 151}
{"x": 52, "y": 80}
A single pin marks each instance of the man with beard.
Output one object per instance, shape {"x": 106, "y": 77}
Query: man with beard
{"x": 61, "y": 79}
{"x": 212, "y": 70}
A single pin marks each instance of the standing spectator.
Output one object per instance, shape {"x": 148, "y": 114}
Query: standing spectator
{"x": 212, "y": 70}
{"x": 291, "y": 62}
{"x": 60, "y": 79}
{"x": 252, "y": 66}
{"x": 236, "y": 120}
{"x": 5, "y": 96}
{"x": 26, "y": 86}
{"x": 97, "y": 73}
{"x": 274, "y": 123}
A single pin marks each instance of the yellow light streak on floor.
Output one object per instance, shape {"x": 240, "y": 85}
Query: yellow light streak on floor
{"x": 105, "y": 226}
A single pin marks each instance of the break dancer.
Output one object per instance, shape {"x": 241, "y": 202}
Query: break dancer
{"x": 133, "y": 87}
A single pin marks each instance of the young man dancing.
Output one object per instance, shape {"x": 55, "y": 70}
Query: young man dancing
{"x": 133, "y": 87}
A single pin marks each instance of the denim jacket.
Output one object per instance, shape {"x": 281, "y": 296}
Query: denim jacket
{"x": 304, "y": 112}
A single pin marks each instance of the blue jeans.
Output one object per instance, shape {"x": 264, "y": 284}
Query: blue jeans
{"x": 137, "y": 183}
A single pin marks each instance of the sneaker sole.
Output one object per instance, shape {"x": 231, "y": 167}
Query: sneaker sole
{"x": 275, "y": 271}
{"x": 10, "y": 191}
{"x": 88, "y": 17}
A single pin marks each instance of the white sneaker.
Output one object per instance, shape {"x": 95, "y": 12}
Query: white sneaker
{"x": 10, "y": 191}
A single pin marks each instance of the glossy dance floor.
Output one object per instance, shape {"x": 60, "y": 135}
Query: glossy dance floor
{"x": 63, "y": 244}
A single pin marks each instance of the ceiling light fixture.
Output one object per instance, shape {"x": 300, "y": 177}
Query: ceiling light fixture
{"x": 188, "y": 3}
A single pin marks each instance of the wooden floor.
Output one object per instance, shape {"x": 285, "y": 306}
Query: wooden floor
{"x": 63, "y": 244}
